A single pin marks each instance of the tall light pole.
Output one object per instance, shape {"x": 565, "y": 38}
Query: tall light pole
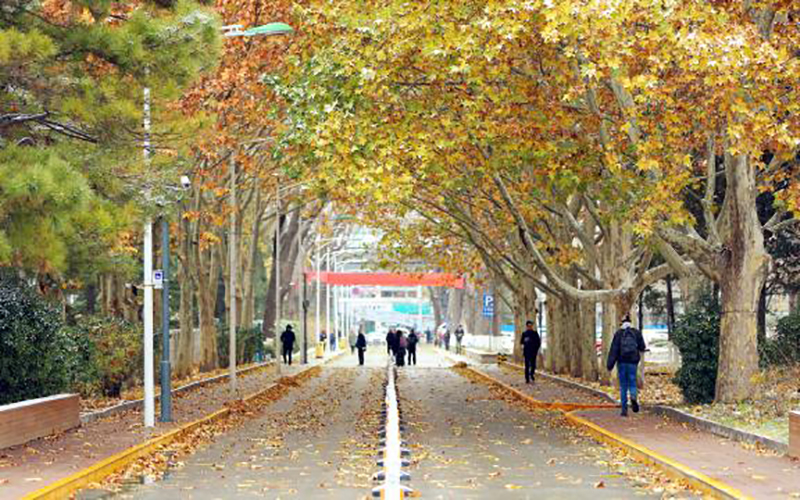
{"x": 149, "y": 388}
{"x": 317, "y": 321}
{"x": 232, "y": 285}
{"x": 329, "y": 298}
{"x": 277, "y": 273}
{"x": 232, "y": 31}
{"x": 149, "y": 379}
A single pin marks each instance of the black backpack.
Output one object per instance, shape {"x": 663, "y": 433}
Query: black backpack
{"x": 628, "y": 347}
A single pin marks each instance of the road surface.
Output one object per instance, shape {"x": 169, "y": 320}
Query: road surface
{"x": 467, "y": 441}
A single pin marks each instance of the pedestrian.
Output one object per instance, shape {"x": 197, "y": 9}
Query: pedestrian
{"x": 625, "y": 352}
{"x": 413, "y": 339}
{"x": 531, "y": 342}
{"x": 459, "y": 338}
{"x": 401, "y": 344}
{"x": 446, "y": 339}
{"x": 361, "y": 345}
{"x": 287, "y": 340}
{"x": 428, "y": 336}
{"x": 352, "y": 338}
{"x": 390, "y": 339}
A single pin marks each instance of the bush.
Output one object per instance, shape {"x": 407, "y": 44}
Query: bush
{"x": 34, "y": 352}
{"x": 108, "y": 354}
{"x": 248, "y": 342}
{"x": 696, "y": 336}
{"x": 784, "y": 348}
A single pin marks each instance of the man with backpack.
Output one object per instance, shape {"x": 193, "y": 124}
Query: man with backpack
{"x": 531, "y": 342}
{"x": 625, "y": 352}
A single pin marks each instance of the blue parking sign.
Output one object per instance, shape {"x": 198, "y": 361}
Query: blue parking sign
{"x": 488, "y": 305}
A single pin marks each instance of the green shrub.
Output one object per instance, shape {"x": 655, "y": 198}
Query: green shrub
{"x": 248, "y": 342}
{"x": 34, "y": 352}
{"x": 784, "y": 348}
{"x": 696, "y": 336}
{"x": 114, "y": 360}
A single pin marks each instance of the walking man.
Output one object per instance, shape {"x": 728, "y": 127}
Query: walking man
{"x": 401, "y": 344}
{"x": 625, "y": 352}
{"x": 531, "y": 342}
{"x": 361, "y": 345}
{"x": 413, "y": 339}
{"x": 287, "y": 339}
{"x": 390, "y": 340}
{"x": 446, "y": 338}
{"x": 459, "y": 337}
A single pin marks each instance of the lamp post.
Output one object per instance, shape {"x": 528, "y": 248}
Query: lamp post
{"x": 232, "y": 31}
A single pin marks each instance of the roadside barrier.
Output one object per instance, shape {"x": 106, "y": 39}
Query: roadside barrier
{"x": 392, "y": 460}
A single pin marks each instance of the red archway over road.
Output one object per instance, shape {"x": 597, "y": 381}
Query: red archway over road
{"x": 388, "y": 279}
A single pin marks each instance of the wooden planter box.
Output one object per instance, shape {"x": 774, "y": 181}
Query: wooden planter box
{"x": 35, "y": 418}
{"x": 794, "y": 434}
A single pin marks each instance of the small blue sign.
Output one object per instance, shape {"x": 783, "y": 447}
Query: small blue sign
{"x": 488, "y": 305}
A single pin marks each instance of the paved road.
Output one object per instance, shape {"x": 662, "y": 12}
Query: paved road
{"x": 320, "y": 441}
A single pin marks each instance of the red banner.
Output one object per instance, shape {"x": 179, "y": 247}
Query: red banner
{"x": 388, "y": 279}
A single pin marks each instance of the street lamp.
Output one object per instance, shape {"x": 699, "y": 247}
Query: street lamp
{"x": 235, "y": 30}
{"x": 148, "y": 284}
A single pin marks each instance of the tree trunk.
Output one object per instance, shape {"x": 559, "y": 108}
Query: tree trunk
{"x": 742, "y": 269}
{"x": 762, "y": 316}
{"x": 670, "y": 308}
{"x": 185, "y": 345}
{"x": 436, "y": 303}
{"x": 290, "y": 225}
{"x": 588, "y": 335}
{"x": 91, "y": 296}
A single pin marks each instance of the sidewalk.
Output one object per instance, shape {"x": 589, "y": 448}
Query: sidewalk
{"x": 754, "y": 473}
{"x": 29, "y": 467}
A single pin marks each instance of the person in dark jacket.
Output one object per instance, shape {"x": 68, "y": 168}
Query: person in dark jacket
{"x": 390, "y": 340}
{"x": 413, "y": 339}
{"x": 459, "y": 338}
{"x": 287, "y": 339}
{"x": 531, "y": 342}
{"x": 625, "y": 353}
{"x": 361, "y": 345}
{"x": 401, "y": 344}
{"x": 446, "y": 339}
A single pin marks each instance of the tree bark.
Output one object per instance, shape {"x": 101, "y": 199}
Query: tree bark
{"x": 435, "y": 295}
{"x": 743, "y": 268}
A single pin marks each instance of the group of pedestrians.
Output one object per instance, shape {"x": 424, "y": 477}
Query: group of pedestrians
{"x": 400, "y": 346}
{"x": 625, "y": 353}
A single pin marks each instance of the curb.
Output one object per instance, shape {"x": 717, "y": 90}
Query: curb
{"x": 65, "y": 487}
{"x": 719, "y": 429}
{"x": 556, "y": 405}
{"x": 682, "y": 417}
{"x": 566, "y": 382}
{"x": 137, "y": 403}
{"x": 698, "y": 480}
{"x": 702, "y": 482}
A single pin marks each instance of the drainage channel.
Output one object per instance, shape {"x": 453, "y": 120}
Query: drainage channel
{"x": 394, "y": 458}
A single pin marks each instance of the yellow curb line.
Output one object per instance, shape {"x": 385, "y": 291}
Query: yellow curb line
{"x": 702, "y": 482}
{"x": 65, "y": 487}
{"x": 676, "y": 470}
{"x": 557, "y": 405}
